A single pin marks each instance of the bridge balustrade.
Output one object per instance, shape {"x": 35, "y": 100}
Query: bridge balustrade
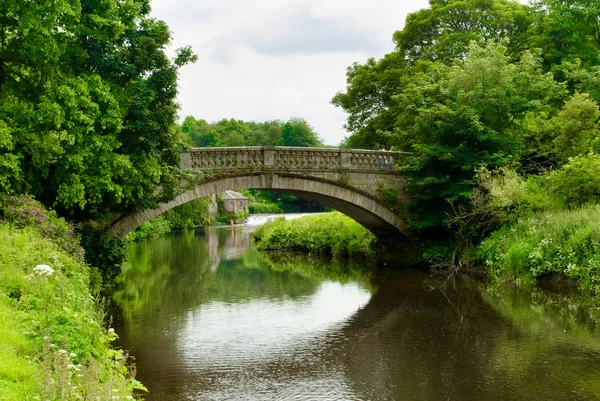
{"x": 285, "y": 158}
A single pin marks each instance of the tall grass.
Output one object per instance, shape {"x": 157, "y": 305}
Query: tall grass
{"x": 53, "y": 342}
{"x": 330, "y": 233}
{"x": 566, "y": 243}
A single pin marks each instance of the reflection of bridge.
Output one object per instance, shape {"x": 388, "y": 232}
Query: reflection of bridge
{"x": 350, "y": 181}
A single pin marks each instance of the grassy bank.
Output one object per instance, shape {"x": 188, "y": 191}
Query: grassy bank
{"x": 330, "y": 233}
{"x": 562, "y": 243}
{"x": 52, "y": 337}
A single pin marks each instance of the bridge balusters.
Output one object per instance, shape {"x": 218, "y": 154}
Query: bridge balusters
{"x": 287, "y": 158}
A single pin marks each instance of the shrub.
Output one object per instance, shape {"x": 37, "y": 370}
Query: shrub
{"x": 264, "y": 208}
{"x": 23, "y": 211}
{"x": 578, "y": 182}
{"x": 153, "y": 228}
{"x": 103, "y": 252}
{"x": 329, "y": 233}
{"x": 566, "y": 243}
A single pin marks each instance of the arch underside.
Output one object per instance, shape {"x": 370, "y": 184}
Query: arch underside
{"x": 362, "y": 207}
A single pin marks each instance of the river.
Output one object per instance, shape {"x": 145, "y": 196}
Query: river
{"x": 208, "y": 317}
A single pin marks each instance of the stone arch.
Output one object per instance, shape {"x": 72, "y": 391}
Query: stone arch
{"x": 360, "y": 206}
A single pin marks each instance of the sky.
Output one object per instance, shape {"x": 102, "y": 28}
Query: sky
{"x": 263, "y": 60}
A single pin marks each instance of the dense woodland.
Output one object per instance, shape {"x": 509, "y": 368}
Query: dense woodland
{"x": 499, "y": 102}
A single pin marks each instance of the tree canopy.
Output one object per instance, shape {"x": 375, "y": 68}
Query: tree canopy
{"x": 87, "y": 105}
{"x": 479, "y": 83}
{"x": 231, "y": 132}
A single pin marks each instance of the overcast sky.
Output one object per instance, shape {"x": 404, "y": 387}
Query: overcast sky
{"x": 261, "y": 60}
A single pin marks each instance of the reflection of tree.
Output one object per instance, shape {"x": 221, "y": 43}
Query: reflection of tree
{"x": 340, "y": 270}
{"x": 416, "y": 341}
{"x": 562, "y": 343}
{"x": 411, "y": 342}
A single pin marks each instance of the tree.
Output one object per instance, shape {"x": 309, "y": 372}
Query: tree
{"x": 578, "y": 127}
{"x": 444, "y": 31}
{"x": 462, "y": 116}
{"x": 441, "y": 33}
{"x": 567, "y": 30}
{"x": 87, "y": 105}
{"x": 297, "y": 132}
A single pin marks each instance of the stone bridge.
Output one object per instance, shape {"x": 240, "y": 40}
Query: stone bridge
{"x": 350, "y": 181}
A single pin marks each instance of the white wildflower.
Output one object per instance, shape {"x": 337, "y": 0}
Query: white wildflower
{"x": 43, "y": 270}
{"x": 73, "y": 355}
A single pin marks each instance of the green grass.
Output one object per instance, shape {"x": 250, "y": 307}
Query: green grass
{"x": 329, "y": 233}
{"x": 53, "y": 345}
{"x": 565, "y": 243}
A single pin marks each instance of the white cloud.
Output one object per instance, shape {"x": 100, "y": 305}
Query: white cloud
{"x": 266, "y": 59}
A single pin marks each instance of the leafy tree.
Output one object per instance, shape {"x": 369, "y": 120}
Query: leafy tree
{"x": 87, "y": 105}
{"x": 459, "y": 117}
{"x": 578, "y": 125}
{"x": 444, "y": 31}
{"x": 440, "y": 33}
{"x": 567, "y": 30}
{"x": 297, "y": 132}
{"x": 368, "y": 100}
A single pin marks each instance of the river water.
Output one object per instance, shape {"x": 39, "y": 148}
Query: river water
{"x": 208, "y": 317}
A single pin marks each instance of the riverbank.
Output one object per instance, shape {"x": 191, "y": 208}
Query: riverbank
{"x": 328, "y": 234}
{"x": 53, "y": 338}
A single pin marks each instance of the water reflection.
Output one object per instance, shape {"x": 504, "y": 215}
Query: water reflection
{"x": 210, "y": 318}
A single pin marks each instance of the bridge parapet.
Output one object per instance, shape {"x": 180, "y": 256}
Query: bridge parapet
{"x": 285, "y": 158}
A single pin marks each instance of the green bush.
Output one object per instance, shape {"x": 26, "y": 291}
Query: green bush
{"x": 566, "y": 243}
{"x": 330, "y": 233}
{"x": 103, "y": 252}
{"x": 264, "y": 208}
{"x": 577, "y": 182}
{"x": 153, "y": 228}
{"x": 23, "y": 211}
{"x": 189, "y": 215}
{"x": 54, "y": 345}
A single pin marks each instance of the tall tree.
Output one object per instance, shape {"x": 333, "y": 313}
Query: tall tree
{"x": 297, "y": 132}
{"x": 441, "y": 33}
{"x": 87, "y": 104}
{"x": 461, "y": 116}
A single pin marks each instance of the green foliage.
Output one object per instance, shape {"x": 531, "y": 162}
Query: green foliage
{"x": 578, "y": 127}
{"x": 153, "y": 228}
{"x": 87, "y": 105}
{"x": 577, "y": 182}
{"x": 389, "y": 195}
{"x": 566, "y": 30}
{"x": 297, "y": 132}
{"x": 24, "y": 211}
{"x": 103, "y": 252}
{"x": 327, "y": 234}
{"x": 264, "y": 208}
{"x": 465, "y": 115}
{"x": 231, "y": 132}
{"x": 444, "y": 31}
{"x": 54, "y": 345}
{"x": 189, "y": 215}
{"x": 565, "y": 243}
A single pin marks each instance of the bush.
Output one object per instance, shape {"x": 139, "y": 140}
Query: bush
{"x": 577, "y": 182}
{"x": 264, "y": 208}
{"x": 330, "y": 233}
{"x": 103, "y": 252}
{"x": 153, "y": 228}
{"x": 565, "y": 243}
{"x": 23, "y": 211}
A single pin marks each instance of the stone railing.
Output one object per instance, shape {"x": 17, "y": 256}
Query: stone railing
{"x": 287, "y": 158}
